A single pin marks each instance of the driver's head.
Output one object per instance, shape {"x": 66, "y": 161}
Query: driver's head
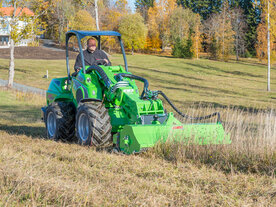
{"x": 91, "y": 45}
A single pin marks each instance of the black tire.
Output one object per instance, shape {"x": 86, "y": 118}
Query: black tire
{"x": 63, "y": 114}
{"x": 93, "y": 125}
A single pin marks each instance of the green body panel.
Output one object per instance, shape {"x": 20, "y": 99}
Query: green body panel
{"x": 127, "y": 111}
{"x": 58, "y": 91}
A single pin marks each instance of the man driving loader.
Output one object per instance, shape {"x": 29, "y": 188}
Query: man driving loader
{"x": 92, "y": 56}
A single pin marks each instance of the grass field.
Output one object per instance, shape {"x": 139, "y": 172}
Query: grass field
{"x": 186, "y": 82}
{"x": 35, "y": 171}
{"x": 39, "y": 172}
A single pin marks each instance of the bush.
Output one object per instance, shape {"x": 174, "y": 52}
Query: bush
{"x": 177, "y": 49}
{"x": 247, "y": 54}
{"x": 183, "y": 49}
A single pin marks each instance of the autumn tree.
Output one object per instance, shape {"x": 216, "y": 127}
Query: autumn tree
{"x": 95, "y": 8}
{"x": 133, "y": 31}
{"x": 83, "y": 21}
{"x": 262, "y": 32}
{"x": 159, "y": 15}
{"x": 219, "y": 32}
{"x": 58, "y": 17}
{"x": 114, "y": 14}
{"x": 142, "y": 7}
{"x": 153, "y": 39}
{"x": 197, "y": 36}
{"x": 111, "y": 20}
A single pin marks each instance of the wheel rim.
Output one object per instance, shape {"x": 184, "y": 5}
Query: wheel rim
{"x": 83, "y": 127}
{"x": 51, "y": 124}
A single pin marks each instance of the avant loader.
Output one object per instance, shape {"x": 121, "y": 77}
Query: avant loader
{"x": 101, "y": 105}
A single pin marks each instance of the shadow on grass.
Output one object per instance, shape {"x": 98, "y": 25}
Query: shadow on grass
{"x": 3, "y": 68}
{"x": 31, "y": 131}
{"x": 234, "y": 72}
{"x": 20, "y": 113}
{"x": 193, "y": 86}
{"x": 16, "y": 69}
{"x": 166, "y": 73}
{"x": 214, "y": 105}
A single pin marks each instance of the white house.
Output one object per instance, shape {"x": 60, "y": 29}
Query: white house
{"x": 5, "y": 13}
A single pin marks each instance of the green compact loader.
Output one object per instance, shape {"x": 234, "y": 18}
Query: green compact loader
{"x": 101, "y": 105}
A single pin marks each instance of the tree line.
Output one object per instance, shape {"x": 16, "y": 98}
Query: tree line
{"x": 188, "y": 27}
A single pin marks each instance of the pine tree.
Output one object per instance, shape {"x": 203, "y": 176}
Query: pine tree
{"x": 177, "y": 48}
{"x": 252, "y": 13}
{"x": 202, "y": 7}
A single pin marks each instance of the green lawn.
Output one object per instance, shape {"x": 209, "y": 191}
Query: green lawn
{"x": 20, "y": 113}
{"x": 186, "y": 82}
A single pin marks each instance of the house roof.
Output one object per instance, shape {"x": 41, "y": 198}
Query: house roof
{"x": 7, "y": 11}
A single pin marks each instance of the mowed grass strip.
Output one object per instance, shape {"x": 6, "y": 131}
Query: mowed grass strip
{"x": 186, "y": 82}
{"x": 35, "y": 171}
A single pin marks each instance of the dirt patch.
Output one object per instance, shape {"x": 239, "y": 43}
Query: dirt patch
{"x": 37, "y": 53}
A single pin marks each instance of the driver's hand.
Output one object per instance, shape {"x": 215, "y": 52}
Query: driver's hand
{"x": 106, "y": 61}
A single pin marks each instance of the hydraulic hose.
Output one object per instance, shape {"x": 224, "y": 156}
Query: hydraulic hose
{"x": 146, "y": 83}
{"x": 102, "y": 74}
{"x": 186, "y": 116}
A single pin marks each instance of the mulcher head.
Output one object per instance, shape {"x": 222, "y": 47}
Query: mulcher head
{"x": 136, "y": 138}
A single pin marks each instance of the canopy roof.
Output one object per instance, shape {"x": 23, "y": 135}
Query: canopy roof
{"x": 82, "y": 34}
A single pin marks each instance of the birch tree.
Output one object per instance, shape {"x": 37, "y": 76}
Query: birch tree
{"x": 269, "y": 31}
{"x": 18, "y": 32}
{"x": 239, "y": 27}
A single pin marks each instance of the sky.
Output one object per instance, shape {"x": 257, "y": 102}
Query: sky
{"x": 131, "y": 4}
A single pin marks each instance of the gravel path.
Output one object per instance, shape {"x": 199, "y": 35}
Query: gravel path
{"x": 24, "y": 88}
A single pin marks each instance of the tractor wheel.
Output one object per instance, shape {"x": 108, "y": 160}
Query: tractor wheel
{"x": 60, "y": 121}
{"x": 93, "y": 125}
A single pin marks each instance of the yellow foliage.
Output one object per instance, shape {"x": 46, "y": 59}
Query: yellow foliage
{"x": 158, "y": 23}
{"x": 262, "y": 32}
{"x": 262, "y": 43}
{"x": 83, "y": 21}
{"x": 153, "y": 39}
{"x": 196, "y": 38}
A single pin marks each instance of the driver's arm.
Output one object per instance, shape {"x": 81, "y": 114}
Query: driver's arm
{"x": 104, "y": 56}
{"x": 78, "y": 63}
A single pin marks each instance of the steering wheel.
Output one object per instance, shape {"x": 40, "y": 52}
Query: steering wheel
{"x": 101, "y": 62}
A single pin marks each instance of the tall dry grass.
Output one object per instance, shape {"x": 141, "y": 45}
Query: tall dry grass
{"x": 253, "y": 148}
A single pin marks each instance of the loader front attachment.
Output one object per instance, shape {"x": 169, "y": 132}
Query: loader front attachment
{"x": 136, "y": 138}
